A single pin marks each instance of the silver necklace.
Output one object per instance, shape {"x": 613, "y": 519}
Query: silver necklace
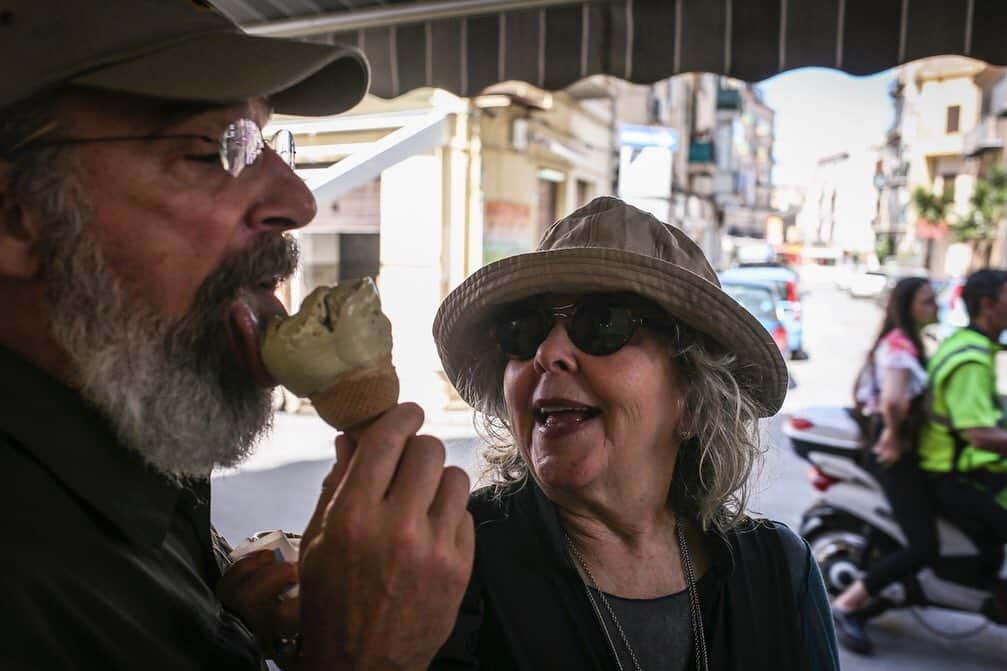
{"x": 695, "y": 612}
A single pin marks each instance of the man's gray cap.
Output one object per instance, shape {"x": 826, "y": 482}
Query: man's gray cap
{"x": 171, "y": 49}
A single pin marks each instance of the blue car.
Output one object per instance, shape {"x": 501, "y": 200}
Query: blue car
{"x": 759, "y": 298}
{"x": 783, "y": 281}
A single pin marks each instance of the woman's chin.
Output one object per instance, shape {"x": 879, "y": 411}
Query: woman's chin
{"x": 565, "y": 473}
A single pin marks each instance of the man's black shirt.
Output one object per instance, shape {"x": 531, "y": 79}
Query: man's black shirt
{"x": 106, "y": 564}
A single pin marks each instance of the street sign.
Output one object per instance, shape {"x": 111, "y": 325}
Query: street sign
{"x": 648, "y": 136}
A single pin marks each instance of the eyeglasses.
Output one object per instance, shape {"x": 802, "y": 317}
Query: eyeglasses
{"x": 599, "y": 325}
{"x": 239, "y": 146}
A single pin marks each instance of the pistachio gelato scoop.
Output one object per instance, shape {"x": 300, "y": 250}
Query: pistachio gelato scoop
{"x": 337, "y": 329}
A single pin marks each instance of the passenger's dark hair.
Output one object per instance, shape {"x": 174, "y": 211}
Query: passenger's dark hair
{"x": 898, "y": 315}
{"x": 985, "y": 283}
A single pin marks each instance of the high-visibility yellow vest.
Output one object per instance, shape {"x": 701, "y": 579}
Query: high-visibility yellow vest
{"x": 942, "y": 448}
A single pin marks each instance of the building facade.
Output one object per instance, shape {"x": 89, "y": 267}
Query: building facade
{"x": 421, "y": 191}
{"x": 946, "y": 136}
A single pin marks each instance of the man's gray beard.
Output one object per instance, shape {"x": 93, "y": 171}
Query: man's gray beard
{"x": 171, "y": 391}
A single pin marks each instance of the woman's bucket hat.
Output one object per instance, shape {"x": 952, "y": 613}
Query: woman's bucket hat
{"x": 606, "y": 246}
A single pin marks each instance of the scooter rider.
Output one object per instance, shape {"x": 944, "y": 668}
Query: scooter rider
{"x": 962, "y": 445}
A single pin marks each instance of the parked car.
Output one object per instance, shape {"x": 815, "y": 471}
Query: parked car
{"x": 894, "y": 275}
{"x": 868, "y": 284}
{"x": 759, "y": 298}
{"x": 784, "y": 281}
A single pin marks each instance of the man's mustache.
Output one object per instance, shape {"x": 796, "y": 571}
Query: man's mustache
{"x": 270, "y": 258}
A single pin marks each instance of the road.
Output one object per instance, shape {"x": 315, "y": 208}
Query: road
{"x": 277, "y": 487}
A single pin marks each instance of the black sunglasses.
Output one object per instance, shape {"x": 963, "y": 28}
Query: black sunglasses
{"x": 598, "y": 325}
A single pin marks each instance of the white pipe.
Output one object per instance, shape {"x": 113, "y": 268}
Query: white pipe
{"x": 416, "y": 12}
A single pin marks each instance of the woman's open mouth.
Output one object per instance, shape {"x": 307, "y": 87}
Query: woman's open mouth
{"x": 560, "y": 417}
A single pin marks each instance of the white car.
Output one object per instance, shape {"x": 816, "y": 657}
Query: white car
{"x": 868, "y": 284}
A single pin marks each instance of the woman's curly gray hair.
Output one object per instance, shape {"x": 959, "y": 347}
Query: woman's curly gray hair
{"x": 711, "y": 481}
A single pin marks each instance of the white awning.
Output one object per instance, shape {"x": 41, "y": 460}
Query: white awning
{"x": 419, "y": 135}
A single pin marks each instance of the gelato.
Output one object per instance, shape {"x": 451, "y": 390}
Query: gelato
{"x": 336, "y": 350}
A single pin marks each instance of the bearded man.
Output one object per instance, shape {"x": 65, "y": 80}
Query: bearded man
{"x": 143, "y": 223}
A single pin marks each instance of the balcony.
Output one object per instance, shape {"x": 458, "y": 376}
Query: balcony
{"x": 987, "y": 136}
{"x": 701, "y": 152}
{"x": 998, "y": 103}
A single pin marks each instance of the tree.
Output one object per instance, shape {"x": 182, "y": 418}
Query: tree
{"x": 933, "y": 208}
{"x": 986, "y": 209}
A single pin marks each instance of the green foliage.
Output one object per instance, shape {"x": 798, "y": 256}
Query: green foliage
{"x": 933, "y": 207}
{"x": 986, "y": 209}
{"x": 884, "y": 248}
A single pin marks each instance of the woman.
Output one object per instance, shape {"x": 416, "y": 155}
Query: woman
{"x": 629, "y": 387}
{"x": 888, "y": 396}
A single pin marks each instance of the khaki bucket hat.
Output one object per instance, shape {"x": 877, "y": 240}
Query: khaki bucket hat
{"x": 172, "y": 49}
{"x": 605, "y": 246}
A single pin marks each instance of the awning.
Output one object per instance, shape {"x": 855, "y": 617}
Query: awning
{"x": 466, "y": 45}
{"x": 420, "y": 135}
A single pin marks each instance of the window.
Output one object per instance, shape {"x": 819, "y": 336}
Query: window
{"x": 548, "y": 203}
{"x": 954, "y": 116}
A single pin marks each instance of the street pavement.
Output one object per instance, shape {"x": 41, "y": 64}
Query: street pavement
{"x": 277, "y": 487}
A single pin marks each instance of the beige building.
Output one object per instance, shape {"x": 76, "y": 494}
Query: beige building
{"x": 939, "y": 107}
{"x": 983, "y": 148}
{"x": 421, "y": 191}
{"x": 543, "y": 155}
{"x": 717, "y": 178}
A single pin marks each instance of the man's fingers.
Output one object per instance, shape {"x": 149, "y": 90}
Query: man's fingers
{"x": 448, "y": 506}
{"x": 242, "y": 570}
{"x": 379, "y": 450}
{"x": 467, "y": 535}
{"x": 288, "y": 616}
{"x": 465, "y": 540}
{"x": 269, "y": 582}
{"x": 345, "y": 447}
{"x": 418, "y": 475}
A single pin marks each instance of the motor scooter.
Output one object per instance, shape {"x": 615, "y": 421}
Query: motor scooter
{"x": 850, "y": 527}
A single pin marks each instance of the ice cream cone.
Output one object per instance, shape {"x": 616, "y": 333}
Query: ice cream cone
{"x": 359, "y": 395}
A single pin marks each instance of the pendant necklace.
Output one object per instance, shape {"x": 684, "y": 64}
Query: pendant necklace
{"x": 695, "y": 612}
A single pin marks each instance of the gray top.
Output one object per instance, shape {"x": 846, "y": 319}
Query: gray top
{"x": 660, "y": 630}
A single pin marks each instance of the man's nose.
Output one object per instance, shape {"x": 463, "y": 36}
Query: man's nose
{"x": 284, "y": 201}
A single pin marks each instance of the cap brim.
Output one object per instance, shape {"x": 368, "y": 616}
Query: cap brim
{"x": 298, "y": 77}
{"x": 462, "y": 338}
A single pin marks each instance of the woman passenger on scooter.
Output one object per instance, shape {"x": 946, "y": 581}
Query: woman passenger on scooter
{"x": 888, "y": 396}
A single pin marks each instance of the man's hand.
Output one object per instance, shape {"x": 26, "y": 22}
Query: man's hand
{"x": 251, "y": 587}
{"x": 388, "y": 552}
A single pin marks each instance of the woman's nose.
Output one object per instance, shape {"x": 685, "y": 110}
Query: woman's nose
{"x": 557, "y": 352}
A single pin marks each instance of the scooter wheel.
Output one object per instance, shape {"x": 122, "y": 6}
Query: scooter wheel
{"x": 840, "y": 554}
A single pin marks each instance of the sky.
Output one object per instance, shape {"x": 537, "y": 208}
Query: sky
{"x": 820, "y": 112}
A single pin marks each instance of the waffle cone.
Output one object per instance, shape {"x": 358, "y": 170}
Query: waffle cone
{"x": 358, "y": 396}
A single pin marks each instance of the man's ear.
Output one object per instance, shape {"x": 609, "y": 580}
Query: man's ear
{"x": 18, "y": 233}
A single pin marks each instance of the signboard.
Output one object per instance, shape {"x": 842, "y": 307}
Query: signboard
{"x": 926, "y": 230}
{"x": 648, "y": 136}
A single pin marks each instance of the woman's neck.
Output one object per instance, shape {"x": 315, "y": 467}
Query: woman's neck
{"x": 633, "y": 554}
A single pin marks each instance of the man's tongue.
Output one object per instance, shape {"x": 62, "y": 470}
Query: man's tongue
{"x": 247, "y": 316}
